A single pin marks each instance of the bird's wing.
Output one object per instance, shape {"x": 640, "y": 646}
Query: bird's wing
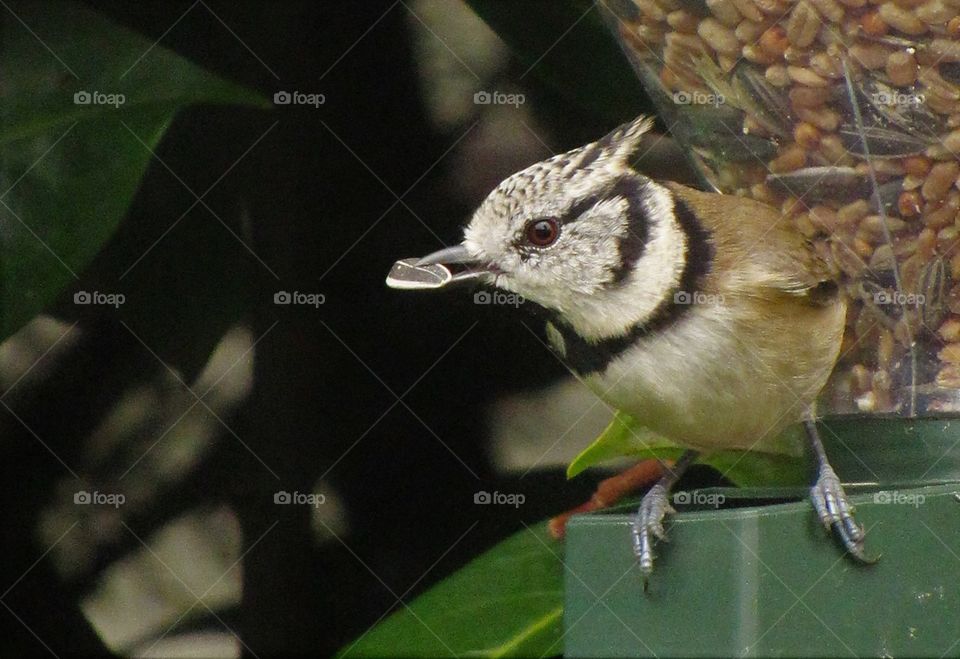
{"x": 757, "y": 248}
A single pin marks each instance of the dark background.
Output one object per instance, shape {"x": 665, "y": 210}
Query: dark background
{"x": 315, "y": 198}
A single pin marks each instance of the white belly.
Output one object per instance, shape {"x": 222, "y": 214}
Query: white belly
{"x": 708, "y": 384}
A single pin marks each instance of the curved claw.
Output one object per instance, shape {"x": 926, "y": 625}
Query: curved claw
{"x": 836, "y": 513}
{"x": 648, "y": 525}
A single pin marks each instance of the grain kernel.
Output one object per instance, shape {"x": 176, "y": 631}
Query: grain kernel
{"x": 806, "y": 77}
{"x": 947, "y": 238}
{"x": 806, "y": 226}
{"x": 796, "y": 56}
{"x": 901, "y": 19}
{"x": 950, "y": 330}
{"x": 941, "y": 105}
{"x": 953, "y": 27}
{"x": 831, "y": 147}
{"x": 853, "y": 212}
{"x": 774, "y": 7}
{"x": 948, "y": 377}
{"x": 826, "y": 65}
{"x": 937, "y": 86}
{"x": 807, "y": 136}
{"x": 862, "y": 248}
{"x": 885, "y": 167}
{"x": 946, "y": 50}
{"x": 803, "y": 24}
{"x": 824, "y": 217}
{"x": 926, "y": 243}
{"x": 829, "y": 9}
{"x": 902, "y": 68}
{"x": 719, "y": 37}
{"x": 774, "y": 41}
{"x": 650, "y": 9}
{"x": 823, "y": 118}
{"x": 941, "y": 177}
{"x": 808, "y": 97}
{"x": 792, "y": 158}
{"x": 950, "y": 353}
{"x": 727, "y": 62}
{"x": 869, "y": 55}
{"x": 762, "y": 192}
{"x": 867, "y": 402}
{"x": 942, "y": 214}
{"x": 725, "y": 12}
{"x": 934, "y": 12}
{"x": 861, "y": 379}
{"x": 748, "y": 10}
{"x": 872, "y": 24}
{"x": 916, "y": 165}
{"x": 749, "y": 32}
{"x": 909, "y": 204}
{"x": 872, "y": 227}
{"x": 757, "y": 55}
{"x": 683, "y": 21}
{"x": 952, "y": 142}
{"x": 883, "y": 258}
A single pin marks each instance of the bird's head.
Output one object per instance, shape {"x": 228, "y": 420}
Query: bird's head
{"x": 581, "y": 234}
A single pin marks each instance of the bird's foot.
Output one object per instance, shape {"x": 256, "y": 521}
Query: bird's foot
{"x": 836, "y": 513}
{"x": 648, "y": 526}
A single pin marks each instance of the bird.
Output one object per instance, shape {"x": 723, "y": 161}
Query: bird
{"x": 707, "y": 317}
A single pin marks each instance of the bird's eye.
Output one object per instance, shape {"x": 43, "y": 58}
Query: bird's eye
{"x": 542, "y": 233}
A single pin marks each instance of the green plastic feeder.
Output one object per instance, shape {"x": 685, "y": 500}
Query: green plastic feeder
{"x": 752, "y": 579}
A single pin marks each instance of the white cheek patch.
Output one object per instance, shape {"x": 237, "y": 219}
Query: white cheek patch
{"x": 659, "y": 269}
{"x": 652, "y": 281}
{"x": 595, "y": 242}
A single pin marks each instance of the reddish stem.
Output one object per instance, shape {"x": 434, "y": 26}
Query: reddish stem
{"x": 610, "y": 491}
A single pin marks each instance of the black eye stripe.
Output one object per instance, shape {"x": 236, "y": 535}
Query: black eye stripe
{"x": 585, "y": 204}
{"x": 633, "y": 244}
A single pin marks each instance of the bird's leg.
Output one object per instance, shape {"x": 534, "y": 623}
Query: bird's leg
{"x": 830, "y": 501}
{"x": 648, "y": 523}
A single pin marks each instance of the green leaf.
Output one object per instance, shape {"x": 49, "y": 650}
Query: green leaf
{"x": 69, "y": 170}
{"x": 780, "y": 463}
{"x": 508, "y": 602}
{"x": 567, "y": 45}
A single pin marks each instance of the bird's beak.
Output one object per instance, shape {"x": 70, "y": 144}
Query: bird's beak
{"x": 443, "y": 268}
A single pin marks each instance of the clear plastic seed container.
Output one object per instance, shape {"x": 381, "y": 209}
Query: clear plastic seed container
{"x": 845, "y": 114}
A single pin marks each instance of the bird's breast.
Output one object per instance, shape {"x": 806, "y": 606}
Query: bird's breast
{"x": 725, "y": 377}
